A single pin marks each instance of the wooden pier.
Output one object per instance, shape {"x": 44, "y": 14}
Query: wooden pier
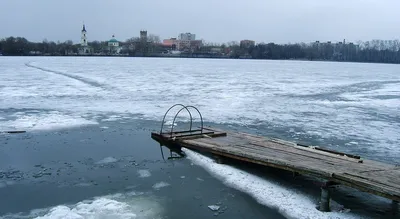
{"x": 335, "y": 167}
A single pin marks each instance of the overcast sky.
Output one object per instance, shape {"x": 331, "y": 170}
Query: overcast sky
{"x": 280, "y": 21}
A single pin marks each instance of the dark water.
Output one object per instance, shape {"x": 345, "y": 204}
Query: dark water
{"x": 43, "y": 169}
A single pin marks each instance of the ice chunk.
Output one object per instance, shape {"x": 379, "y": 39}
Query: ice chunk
{"x": 160, "y": 185}
{"x": 144, "y": 173}
{"x": 214, "y": 207}
{"x": 107, "y": 160}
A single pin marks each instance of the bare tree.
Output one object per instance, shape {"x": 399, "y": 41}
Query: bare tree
{"x": 153, "y": 38}
{"x": 132, "y": 40}
{"x": 233, "y": 43}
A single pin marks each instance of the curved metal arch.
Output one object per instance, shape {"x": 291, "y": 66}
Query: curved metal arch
{"x": 183, "y": 107}
{"x": 191, "y": 119}
{"x": 201, "y": 117}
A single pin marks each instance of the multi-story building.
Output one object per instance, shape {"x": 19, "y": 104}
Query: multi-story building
{"x": 185, "y": 41}
{"x": 187, "y": 36}
{"x": 170, "y": 42}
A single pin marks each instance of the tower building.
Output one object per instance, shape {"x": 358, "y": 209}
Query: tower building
{"x": 84, "y": 37}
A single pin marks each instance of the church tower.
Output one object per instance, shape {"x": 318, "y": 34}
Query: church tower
{"x": 84, "y": 41}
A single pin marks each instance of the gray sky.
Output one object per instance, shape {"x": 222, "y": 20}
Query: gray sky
{"x": 280, "y": 21}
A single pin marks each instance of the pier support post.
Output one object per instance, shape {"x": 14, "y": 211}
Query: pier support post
{"x": 324, "y": 204}
{"x": 395, "y": 207}
{"x": 219, "y": 159}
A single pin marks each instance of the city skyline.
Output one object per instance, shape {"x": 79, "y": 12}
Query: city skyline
{"x": 223, "y": 21}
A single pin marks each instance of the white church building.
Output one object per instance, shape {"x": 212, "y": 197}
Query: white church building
{"x": 113, "y": 46}
{"x": 85, "y": 49}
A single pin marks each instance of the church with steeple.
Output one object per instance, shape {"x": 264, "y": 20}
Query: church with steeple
{"x": 84, "y": 49}
{"x": 84, "y": 37}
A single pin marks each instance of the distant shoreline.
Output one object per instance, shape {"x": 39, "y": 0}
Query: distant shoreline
{"x": 195, "y": 57}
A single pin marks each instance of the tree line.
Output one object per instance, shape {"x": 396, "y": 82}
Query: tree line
{"x": 379, "y": 51}
{"x": 19, "y": 46}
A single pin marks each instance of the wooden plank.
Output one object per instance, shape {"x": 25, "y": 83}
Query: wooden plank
{"x": 387, "y": 176}
{"x": 331, "y": 165}
{"x": 294, "y": 151}
{"x": 253, "y": 155}
{"x": 13, "y": 132}
{"x": 206, "y": 135}
{"x": 178, "y": 135}
{"x": 294, "y": 160}
{"x": 288, "y": 143}
{"x": 186, "y": 131}
{"x": 365, "y": 185}
{"x": 321, "y": 152}
{"x": 371, "y": 180}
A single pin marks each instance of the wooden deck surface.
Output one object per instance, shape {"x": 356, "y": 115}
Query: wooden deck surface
{"x": 365, "y": 175}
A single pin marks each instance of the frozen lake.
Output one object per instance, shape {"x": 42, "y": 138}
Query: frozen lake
{"x": 349, "y": 107}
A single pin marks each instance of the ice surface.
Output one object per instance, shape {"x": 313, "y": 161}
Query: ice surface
{"x": 44, "y": 121}
{"x": 144, "y": 173}
{"x": 344, "y": 100}
{"x": 291, "y": 203}
{"x": 107, "y": 160}
{"x": 112, "y": 118}
{"x": 160, "y": 185}
{"x": 113, "y": 206}
{"x": 100, "y": 208}
{"x": 118, "y": 206}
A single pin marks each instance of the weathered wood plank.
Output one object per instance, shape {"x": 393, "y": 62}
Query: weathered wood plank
{"x": 292, "y": 151}
{"x": 296, "y": 152}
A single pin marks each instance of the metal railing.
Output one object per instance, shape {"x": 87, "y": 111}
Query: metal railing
{"x": 183, "y": 107}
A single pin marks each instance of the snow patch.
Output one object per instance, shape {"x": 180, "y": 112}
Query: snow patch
{"x": 112, "y": 118}
{"x": 45, "y": 121}
{"x": 101, "y": 208}
{"x": 118, "y": 206}
{"x": 107, "y": 160}
{"x": 144, "y": 173}
{"x": 83, "y": 184}
{"x": 160, "y": 185}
